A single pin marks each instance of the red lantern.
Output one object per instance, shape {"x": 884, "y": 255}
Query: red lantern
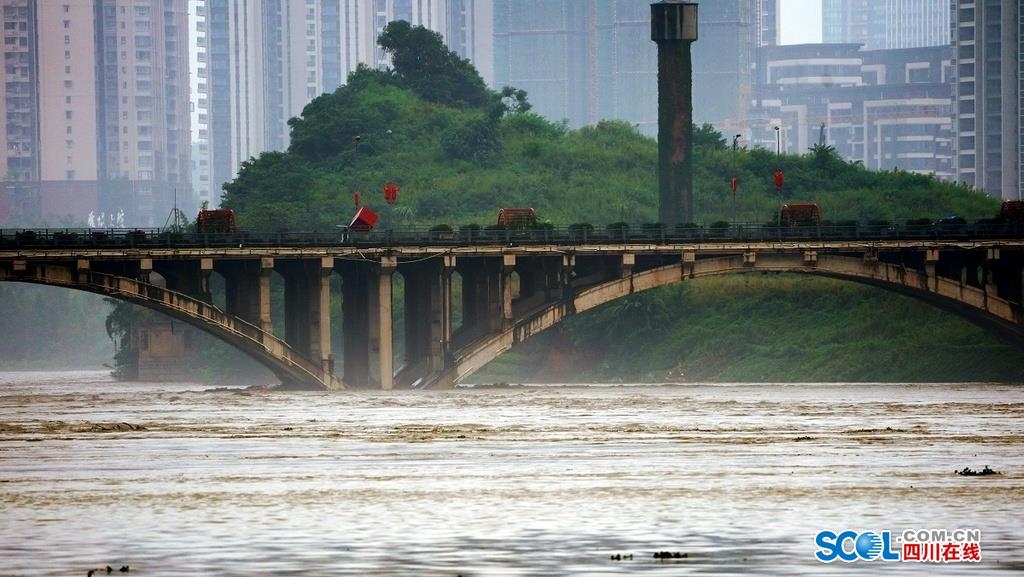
{"x": 735, "y": 184}
{"x": 390, "y": 193}
{"x": 778, "y": 179}
{"x": 355, "y": 198}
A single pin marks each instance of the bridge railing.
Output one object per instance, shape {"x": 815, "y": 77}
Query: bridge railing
{"x": 618, "y": 233}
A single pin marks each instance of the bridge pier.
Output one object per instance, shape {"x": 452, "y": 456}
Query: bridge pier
{"x": 368, "y": 351}
{"x": 428, "y": 316}
{"x": 247, "y": 290}
{"x": 307, "y": 304}
{"x": 190, "y": 277}
{"x": 565, "y": 291}
{"x": 989, "y": 282}
{"x": 508, "y": 266}
{"x": 241, "y": 289}
{"x": 382, "y": 328}
{"x": 931, "y": 259}
{"x": 481, "y": 296}
{"x": 355, "y": 317}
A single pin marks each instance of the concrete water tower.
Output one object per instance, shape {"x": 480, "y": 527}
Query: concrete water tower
{"x": 674, "y": 28}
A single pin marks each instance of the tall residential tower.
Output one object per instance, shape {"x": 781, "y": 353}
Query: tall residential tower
{"x": 97, "y": 113}
{"x": 989, "y": 96}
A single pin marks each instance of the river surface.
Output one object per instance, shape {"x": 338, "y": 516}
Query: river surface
{"x": 188, "y": 479}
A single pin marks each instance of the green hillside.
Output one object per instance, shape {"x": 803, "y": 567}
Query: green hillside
{"x": 459, "y": 152}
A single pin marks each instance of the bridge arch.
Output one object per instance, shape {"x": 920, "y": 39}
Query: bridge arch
{"x": 287, "y": 364}
{"x": 974, "y": 304}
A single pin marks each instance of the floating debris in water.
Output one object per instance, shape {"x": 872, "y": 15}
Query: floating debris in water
{"x": 622, "y": 557}
{"x": 670, "y": 555}
{"x": 968, "y": 472}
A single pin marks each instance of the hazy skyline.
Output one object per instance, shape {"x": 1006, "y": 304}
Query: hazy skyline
{"x": 801, "y": 21}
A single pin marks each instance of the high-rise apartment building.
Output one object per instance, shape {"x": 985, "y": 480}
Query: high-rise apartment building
{"x": 97, "y": 114}
{"x": 142, "y": 60}
{"x": 988, "y": 95}
{"x": 767, "y": 32}
{"x": 199, "y": 81}
{"x": 886, "y": 24}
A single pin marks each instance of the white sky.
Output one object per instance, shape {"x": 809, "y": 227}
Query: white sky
{"x": 801, "y": 21}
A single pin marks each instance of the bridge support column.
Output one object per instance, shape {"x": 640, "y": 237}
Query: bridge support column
{"x": 508, "y": 266}
{"x": 145, "y": 268}
{"x": 266, "y": 270}
{"x": 205, "y": 268}
{"x": 422, "y": 317}
{"x": 480, "y": 302}
{"x": 187, "y": 276}
{"x": 441, "y": 360}
{"x": 307, "y": 305}
{"x": 988, "y": 284}
{"x": 241, "y": 289}
{"x": 82, "y": 270}
{"x": 689, "y": 258}
{"x": 568, "y": 264}
{"x": 931, "y": 258}
{"x": 628, "y": 262}
{"x": 356, "y": 290}
{"x": 385, "y": 342}
{"x": 551, "y": 270}
{"x": 322, "y": 337}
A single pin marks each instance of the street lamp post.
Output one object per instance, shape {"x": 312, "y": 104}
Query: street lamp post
{"x": 735, "y": 182}
{"x": 778, "y": 142}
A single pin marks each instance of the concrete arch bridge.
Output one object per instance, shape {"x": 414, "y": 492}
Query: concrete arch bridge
{"x": 507, "y": 292}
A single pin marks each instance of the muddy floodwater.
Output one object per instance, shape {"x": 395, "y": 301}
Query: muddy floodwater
{"x": 189, "y": 479}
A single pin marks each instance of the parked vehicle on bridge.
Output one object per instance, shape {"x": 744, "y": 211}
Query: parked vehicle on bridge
{"x": 517, "y": 218}
{"x": 216, "y": 221}
{"x": 1012, "y": 211}
{"x": 800, "y": 214}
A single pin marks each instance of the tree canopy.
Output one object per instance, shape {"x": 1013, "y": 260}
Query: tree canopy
{"x": 422, "y": 63}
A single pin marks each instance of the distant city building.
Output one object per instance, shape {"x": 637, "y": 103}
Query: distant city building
{"x": 200, "y": 103}
{"x": 97, "y": 114}
{"x": 767, "y": 33}
{"x": 588, "y": 61}
{"x": 989, "y": 95}
{"x": 886, "y": 24}
{"x": 890, "y": 109}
